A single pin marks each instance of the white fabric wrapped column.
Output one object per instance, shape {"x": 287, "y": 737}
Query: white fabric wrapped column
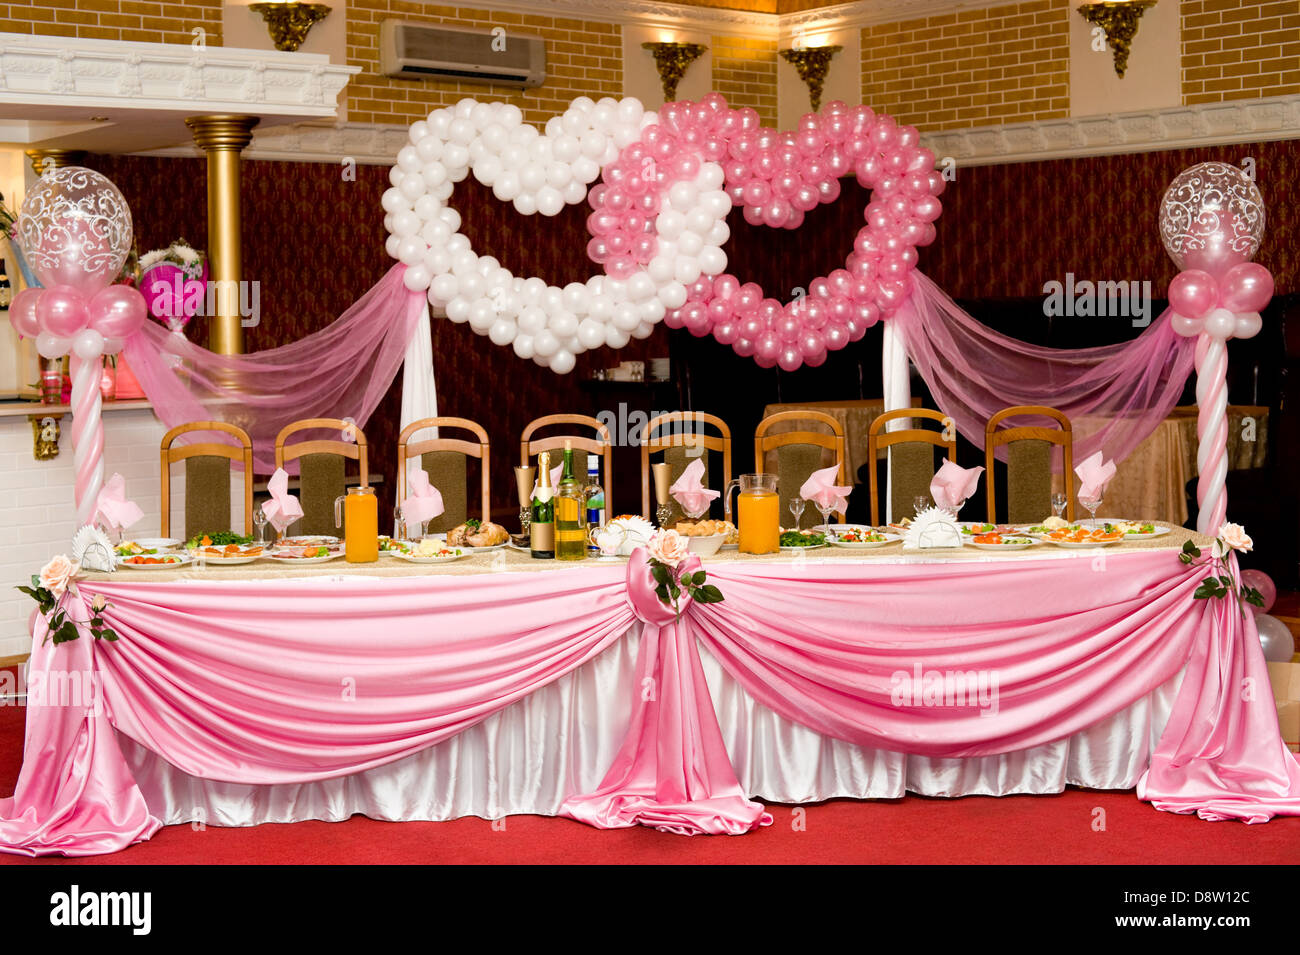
{"x": 419, "y": 393}
{"x": 898, "y": 394}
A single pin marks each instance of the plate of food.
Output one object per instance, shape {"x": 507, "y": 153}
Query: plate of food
{"x": 1083, "y": 537}
{"x": 311, "y": 554}
{"x": 997, "y": 541}
{"x": 860, "y": 538}
{"x": 794, "y": 541}
{"x": 1044, "y": 527}
{"x": 705, "y": 538}
{"x": 428, "y": 551}
{"x": 1136, "y": 530}
{"x": 474, "y": 535}
{"x": 146, "y": 545}
{"x": 229, "y": 554}
{"x": 154, "y": 561}
{"x": 218, "y": 539}
{"x": 973, "y": 528}
{"x": 308, "y": 540}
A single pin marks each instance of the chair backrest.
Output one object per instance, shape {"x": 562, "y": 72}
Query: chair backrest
{"x": 207, "y": 466}
{"x": 677, "y": 446}
{"x": 601, "y": 445}
{"x": 438, "y": 457}
{"x": 792, "y": 473}
{"x": 911, "y": 468}
{"x": 1029, "y": 462}
{"x": 321, "y": 471}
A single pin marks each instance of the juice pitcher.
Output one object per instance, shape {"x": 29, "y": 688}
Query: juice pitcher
{"x": 758, "y": 513}
{"x": 358, "y": 515}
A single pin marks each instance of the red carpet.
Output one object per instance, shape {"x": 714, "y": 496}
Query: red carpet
{"x": 1016, "y": 829}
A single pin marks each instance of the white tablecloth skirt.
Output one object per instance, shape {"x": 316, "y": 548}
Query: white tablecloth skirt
{"x": 560, "y": 740}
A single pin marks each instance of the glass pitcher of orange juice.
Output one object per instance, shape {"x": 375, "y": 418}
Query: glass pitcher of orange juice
{"x": 358, "y": 515}
{"x": 758, "y": 513}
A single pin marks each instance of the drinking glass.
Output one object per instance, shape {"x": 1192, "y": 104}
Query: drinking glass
{"x": 1092, "y": 505}
{"x": 920, "y": 503}
{"x": 1058, "y": 504}
{"x": 399, "y": 525}
{"x": 259, "y": 521}
{"x": 827, "y": 509}
{"x": 797, "y": 505}
{"x": 663, "y": 483}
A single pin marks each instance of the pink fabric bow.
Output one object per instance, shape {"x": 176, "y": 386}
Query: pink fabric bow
{"x": 819, "y": 489}
{"x": 689, "y": 490}
{"x": 423, "y": 500}
{"x": 112, "y": 507}
{"x": 283, "y": 508}
{"x": 1093, "y": 477}
{"x": 952, "y": 484}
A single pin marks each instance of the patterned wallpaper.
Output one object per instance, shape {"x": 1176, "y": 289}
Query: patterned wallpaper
{"x": 316, "y": 242}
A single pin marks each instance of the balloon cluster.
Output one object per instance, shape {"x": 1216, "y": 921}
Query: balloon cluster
{"x": 1211, "y": 223}
{"x": 777, "y": 177}
{"x": 539, "y": 173}
{"x": 75, "y": 229}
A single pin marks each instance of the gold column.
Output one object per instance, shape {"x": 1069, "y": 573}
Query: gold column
{"x": 56, "y": 157}
{"x": 223, "y": 138}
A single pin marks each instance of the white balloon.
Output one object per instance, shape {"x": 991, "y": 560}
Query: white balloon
{"x": 433, "y": 175}
{"x": 719, "y": 235}
{"x": 545, "y": 344}
{"x": 526, "y": 204}
{"x": 686, "y": 270}
{"x": 532, "y": 320}
{"x": 585, "y": 170}
{"x": 670, "y": 224}
{"x": 630, "y": 110}
{"x": 437, "y": 261}
{"x": 549, "y": 201}
{"x": 683, "y": 196}
{"x": 410, "y": 249}
{"x": 653, "y": 311}
{"x": 591, "y": 333}
{"x": 464, "y": 263}
{"x": 450, "y": 217}
{"x": 575, "y": 297}
{"x": 391, "y": 244}
{"x": 417, "y": 278}
{"x": 427, "y": 207}
{"x": 502, "y": 332}
{"x": 88, "y": 344}
{"x": 558, "y": 175}
{"x": 52, "y": 346}
{"x": 690, "y": 244}
{"x": 481, "y": 315}
{"x": 507, "y": 186}
{"x": 532, "y": 177}
{"x": 566, "y": 148}
{"x": 673, "y": 295}
{"x": 428, "y": 149}
{"x": 457, "y": 309}
{"x": 392, "y": 200}
{"x": 510, "y": 116}
{"x": 464, "y": 107}
{"x": 523, "y": 345}
{"x": 408, "y": 159}
{"x": 574, "y": 192}
{"x": 616, "y": 337}
{"x": 419, "y": 131}
{"x": 564, "y": 325}
{"x": 443, "y": 288}
{"x": 644, "y": 330}
{"x": 455, "y": 157}
{"x": 412, "y": 186}
{"x": 472, "y": 285}
{"x": 640, "y": 286}
{"x": 626, "y": 317}
{"x": 562, "y": 362}
{"x": 488, "y": 169}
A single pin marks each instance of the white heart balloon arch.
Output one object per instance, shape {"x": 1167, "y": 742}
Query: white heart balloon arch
{"x": 541, "y": 173}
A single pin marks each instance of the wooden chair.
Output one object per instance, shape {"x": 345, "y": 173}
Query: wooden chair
{"x": 207, "y": 477}
{"x": 911, "y": 461}
{"x": 799, "y": 453}
{"x": 445, "y": 459}
{"x": 677, "y": 448}
{"x": 1029, "y": 463}
{"x": 600, "y": 445}
{"x": 321, "y": 468}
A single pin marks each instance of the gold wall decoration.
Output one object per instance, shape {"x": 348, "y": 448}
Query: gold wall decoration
{"x": 45, "y": 436}
{"x": 672, "y": 60}
{"x": 289, "y": 23}
{"x": 42, "y": 159}
{"x": 1119, "y": 19}
{"x": 813, "y": 63}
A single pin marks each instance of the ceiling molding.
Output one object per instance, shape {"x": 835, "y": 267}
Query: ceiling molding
{"x": 1211, "y": 124}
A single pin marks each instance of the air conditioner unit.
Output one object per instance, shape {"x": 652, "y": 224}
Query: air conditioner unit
{"x": 420, "y": 51}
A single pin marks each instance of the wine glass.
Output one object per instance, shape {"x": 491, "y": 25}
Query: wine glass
{"x": 399, "y": 525}
{"x": 827, "y": 507}
{"x": 1058, "y": 504}
{"x": 797, "y": 505}
{"x": 259, "y": 521}
{"x": 1092, "y": 504}
{"x": 920, "y": 503}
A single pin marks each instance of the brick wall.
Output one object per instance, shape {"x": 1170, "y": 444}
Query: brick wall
{"x": 744, "y": 71}
{"x": 1005, "y": 64}
{"x": 140, "y": 21}
{"x": 583, "y": 58}
{"x": 1239, "y": 49}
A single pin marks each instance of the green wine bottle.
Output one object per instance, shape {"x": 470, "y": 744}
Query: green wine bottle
{"x": 570, "y": 526}
{"x": 541, "y": 533}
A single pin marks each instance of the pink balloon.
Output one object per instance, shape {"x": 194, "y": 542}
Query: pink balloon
{"x": 1246, "y": 288}
{"x": 22, "y": 312}
{"x": 117, "y": 311}
{"x": 61, "y": 311}
{"x": 790, "y": 358}
{"x": 726, "y": 332}
{"x": 1264, "y": 584}
{"x": 767, "y": 346}
{"x": 744, "y": 347}
{"x": 1187, "y": 326}
{"x": 1193, "y": 293}
{"x": 836, "y": 337}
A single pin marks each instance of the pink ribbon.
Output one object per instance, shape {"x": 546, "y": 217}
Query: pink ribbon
{"x": 819, "y": 489}
{"x": 423, "y": 500}
{"x": 953, "y": 485}
{"x": 283, "y": 508}
{"x": 672, "y": 772}
{"x": 112, "y": 507}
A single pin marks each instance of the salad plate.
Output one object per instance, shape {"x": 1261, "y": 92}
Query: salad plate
{"x": 1083, "y": 537}
{"x": 861, "y": 538}
{"x": 158, "y": 562}
{"x": 794, "y": 541}
{"x": 1136, "y": 530}
{"x": 313, "y": 554}
{"x": 230, "y": 554}
{"x": 1006, "y": 541}
{"x": 444, "y": 556}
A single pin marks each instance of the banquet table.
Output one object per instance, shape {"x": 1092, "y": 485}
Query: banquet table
{"x": 497, "y": 685}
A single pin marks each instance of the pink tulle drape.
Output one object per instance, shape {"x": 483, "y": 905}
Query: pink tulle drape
{"x": 342, "y": 371}
{"x": 1114, "y": 395}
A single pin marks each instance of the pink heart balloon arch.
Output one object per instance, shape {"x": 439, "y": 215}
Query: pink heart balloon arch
{"x": 776, "y": 177}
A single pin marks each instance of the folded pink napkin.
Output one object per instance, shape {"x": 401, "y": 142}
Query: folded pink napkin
{"x": 555, "y": 478}
{"x": 821, "y": 491}
{"x": 423, "y": 500}
{"x": 689, "y": 490}
{"x": 283, "y": 508}
{"x": 112, "y": 507}
{"x": 1094, "y": 476}
{"x": 952, "y": 484}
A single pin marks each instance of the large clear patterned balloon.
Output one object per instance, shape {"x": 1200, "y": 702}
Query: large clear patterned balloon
{"x": 75, "y": 229}
{"x": 1212, "y": 218}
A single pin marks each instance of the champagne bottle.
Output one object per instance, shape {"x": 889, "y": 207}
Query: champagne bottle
{"x": 541, "y": 533}
{"x": 570, "y": 522}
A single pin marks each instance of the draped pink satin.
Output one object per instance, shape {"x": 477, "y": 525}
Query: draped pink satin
{"x": 285, "y": 681}
{"x": 672, "y": 771}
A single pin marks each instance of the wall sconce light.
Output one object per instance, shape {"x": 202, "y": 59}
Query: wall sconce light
{"x": 289, "y": 23}
{"x": 672, "y": 59}
{"x": 1119, "y": 20}
{"x": 813, "y": 63}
